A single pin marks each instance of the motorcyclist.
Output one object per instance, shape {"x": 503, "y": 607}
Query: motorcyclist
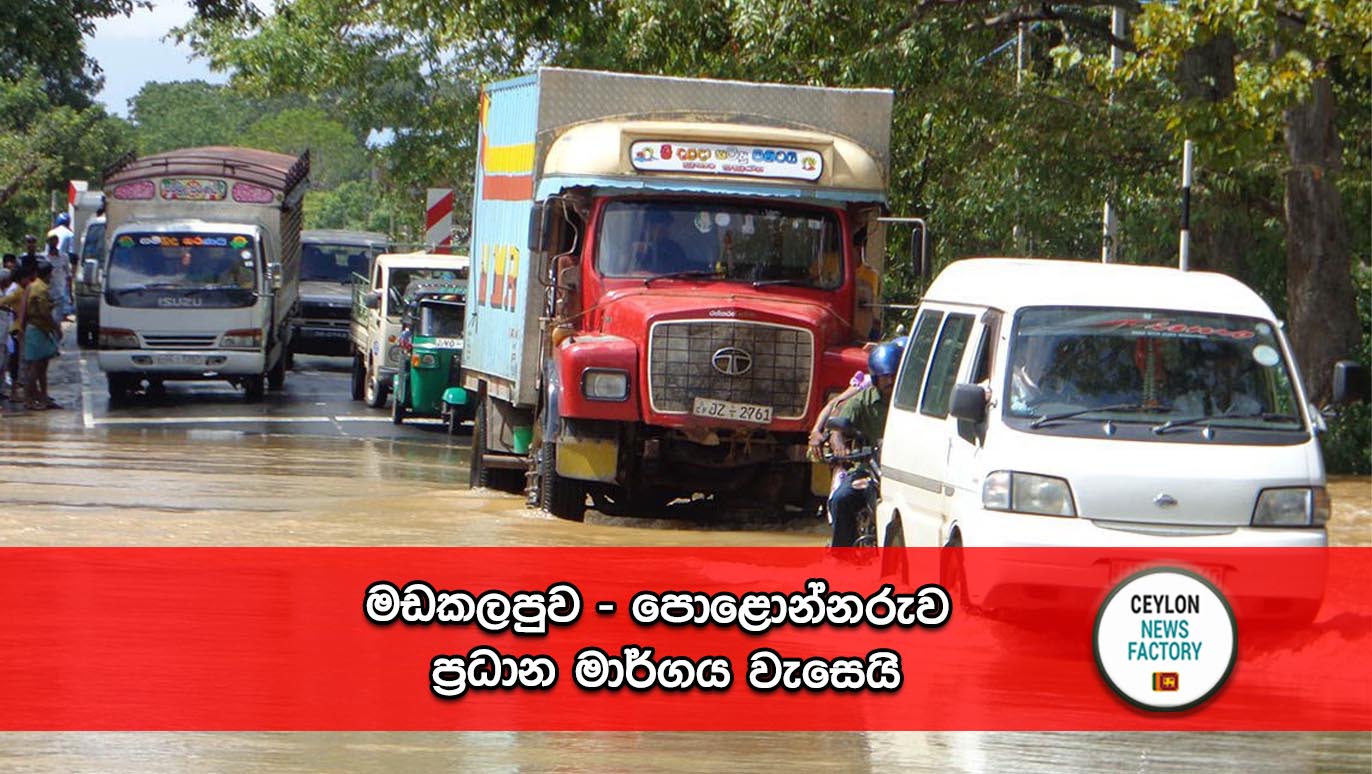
{"x": 865, "y": 413}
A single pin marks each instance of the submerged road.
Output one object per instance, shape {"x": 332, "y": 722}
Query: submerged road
{"x": 198, "y": 466}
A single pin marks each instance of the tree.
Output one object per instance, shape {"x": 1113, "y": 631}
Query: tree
{"x": 188, "y": 114}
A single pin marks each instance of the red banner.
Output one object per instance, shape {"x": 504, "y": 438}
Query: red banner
{"x": 683, "y": 639}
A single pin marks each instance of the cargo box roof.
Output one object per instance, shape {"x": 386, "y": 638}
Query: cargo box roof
{"x": 276, "y": 171}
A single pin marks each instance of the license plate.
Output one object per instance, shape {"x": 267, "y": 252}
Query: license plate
{"x": 447, "y": 343}
{"x": 174, "y": 359}
{"x": 329, "y": 333}
{"x": 1121, "y": 570}
{"x": 733, "y": 412}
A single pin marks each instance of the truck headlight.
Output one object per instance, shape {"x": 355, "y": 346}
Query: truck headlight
{"x": 604, "y": 384}
{"x": 1299, "y": 506}
{"x": 118, "y": 338}
{"x": 1008, "y": 490}
{"x": 246, "y": 338}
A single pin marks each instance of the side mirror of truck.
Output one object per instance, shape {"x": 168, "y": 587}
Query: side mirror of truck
{"x": 372, "y": 299}
{"x": 274, "y": 275}
{"x": 89, "y": 269}
{"x": 540, "y": 224}
{"x": 1350, "y": 383}
{"x": 919, "y": 244}
{"x": 969, "y": 403}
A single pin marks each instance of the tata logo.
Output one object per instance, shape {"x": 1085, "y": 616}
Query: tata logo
{"x": 179, "y": 302}
{"x": 732, "y": 361}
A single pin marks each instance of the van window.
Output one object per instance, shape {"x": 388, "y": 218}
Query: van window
{"x": 943, "y": 372}
{"x": 916, "y": 358}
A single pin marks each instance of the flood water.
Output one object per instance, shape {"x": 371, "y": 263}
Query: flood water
{"x": 62, "y": 486}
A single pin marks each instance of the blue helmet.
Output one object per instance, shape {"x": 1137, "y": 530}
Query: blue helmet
{"x": 63, "y": 219}
{"x": 885, "y": 359}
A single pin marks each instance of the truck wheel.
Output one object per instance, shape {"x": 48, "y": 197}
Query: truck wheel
{"x": 120, "y": 387}
{"x": 564, "y": 498}
{"x": 359, "y": 377}
{"x": 276, "y": 378}
{"x": 254, "y": 388}
{"x": 290, "y": 358}
{"x": 481, "y": 476}
{"x": 374, "y": 394}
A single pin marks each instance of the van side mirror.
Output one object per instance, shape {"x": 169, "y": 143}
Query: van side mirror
{"x": 969, "y": 403}
{"x": 89, "y": 268}
{"x": 1350, "y": 383}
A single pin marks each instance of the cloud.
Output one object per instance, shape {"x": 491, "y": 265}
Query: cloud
{"x": 145, "y": 24}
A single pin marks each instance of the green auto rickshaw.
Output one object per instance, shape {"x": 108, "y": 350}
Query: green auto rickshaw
{"x": 426, "y": 383}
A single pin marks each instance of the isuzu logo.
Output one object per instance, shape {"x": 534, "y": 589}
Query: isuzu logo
{"x": 732, "y": 361}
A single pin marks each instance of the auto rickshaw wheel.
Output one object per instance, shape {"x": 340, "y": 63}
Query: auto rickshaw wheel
{"x": 563, "y": 497}
{"x": 398, "y": 411}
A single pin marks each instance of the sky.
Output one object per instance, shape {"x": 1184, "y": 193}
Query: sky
{"x": 131, "y": 52}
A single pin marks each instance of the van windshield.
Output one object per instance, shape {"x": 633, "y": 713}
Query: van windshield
{"x": 1171, "y": 370}
{"x": 764, "y": 244}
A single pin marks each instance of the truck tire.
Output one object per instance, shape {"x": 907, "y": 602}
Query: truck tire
{"x": 120, "y": 386}
{"x": 374, "y": 392}
{"x": 254, "y": 388}
{"x": 276, "y": 378}
{"x": 359, "y": 377}
{"x": 564, "y": 498}
{"x": 482, "y": 476}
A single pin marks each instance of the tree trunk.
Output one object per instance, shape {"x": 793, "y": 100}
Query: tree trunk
{"x": 1320, "y": 296}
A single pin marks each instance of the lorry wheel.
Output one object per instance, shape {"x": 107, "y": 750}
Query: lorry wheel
{"x": 482, "y": 476}
{"x": 290, "y": 358}
{"x": 120, "y": 387}
{"x": 254, "y": 388}
{"x": 359, "y": 377}
{"x": 374, "y": 393}
{"x": 564, "y": 498}
{"x": 276, "y": 378}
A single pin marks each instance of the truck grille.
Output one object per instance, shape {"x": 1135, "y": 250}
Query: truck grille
{"x": 681, "y": 365}
{"x": 316, "y": 311}
{"x": 178, "y": 341}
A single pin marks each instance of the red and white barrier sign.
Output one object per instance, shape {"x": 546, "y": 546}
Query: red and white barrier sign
{"x": 438, "y": 220}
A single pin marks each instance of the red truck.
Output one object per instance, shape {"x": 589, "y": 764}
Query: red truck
{"x": 670, "y": 277}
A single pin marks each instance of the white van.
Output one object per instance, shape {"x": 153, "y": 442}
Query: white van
{"x": 1065, "y": 403}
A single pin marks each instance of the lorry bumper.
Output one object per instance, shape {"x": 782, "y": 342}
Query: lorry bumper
{"x": 182, "y": 364}
{"x": 321, "y": 339}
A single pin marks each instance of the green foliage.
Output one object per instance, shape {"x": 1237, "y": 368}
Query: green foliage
{"x": 336, "y": 155}
{"x": 188, "y": 114}
{"x": 362, "y": 205}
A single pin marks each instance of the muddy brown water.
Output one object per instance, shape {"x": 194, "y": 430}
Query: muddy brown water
{"x": 62, "y": 486}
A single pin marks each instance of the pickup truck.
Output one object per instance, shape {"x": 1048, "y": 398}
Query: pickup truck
{"x": 378, "y": 301}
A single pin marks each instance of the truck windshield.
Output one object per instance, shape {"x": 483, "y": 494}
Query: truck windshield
{"x": 94, "y": 243}
{"x": 334, "y": 262}
{"x": 760, "y": 243}
{"x": 182, "y": 269}
{"x": 1169, "y": 370}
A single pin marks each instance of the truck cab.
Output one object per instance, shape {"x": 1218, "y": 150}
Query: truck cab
{"x": 88, "y": 283}
{"x": 328, "y": 261}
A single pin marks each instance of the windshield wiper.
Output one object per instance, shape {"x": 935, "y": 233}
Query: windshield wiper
{"x": 800, "y": 283}
{"x": 1045, "y": 419}
{"x": 1266, "y": 416}
{"x": 687, "y": 274}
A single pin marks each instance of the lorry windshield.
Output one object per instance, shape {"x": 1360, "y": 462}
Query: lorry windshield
{"x": 1167, "y": 369}
{"x": 321, "y": 262}
{"x": 94, "y": 243}
{"x": 182, "y": 269}
{"x": 762, "y": 243}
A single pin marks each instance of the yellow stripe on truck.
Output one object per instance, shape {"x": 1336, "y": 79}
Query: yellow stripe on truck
{"x": 509, "y": 159}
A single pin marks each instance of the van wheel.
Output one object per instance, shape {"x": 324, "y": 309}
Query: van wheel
{"x": 564, "y": 498}
{"x": 953, "y": 572}
{"x": 359, "y": 377}
{"x": 254, "y": 388}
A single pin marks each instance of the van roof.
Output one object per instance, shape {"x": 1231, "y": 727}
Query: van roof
{"x": 1010, "y": 283}
{"x": 422, "y": 260}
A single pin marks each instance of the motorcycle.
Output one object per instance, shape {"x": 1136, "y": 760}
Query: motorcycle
{"x": 861, "y": 467}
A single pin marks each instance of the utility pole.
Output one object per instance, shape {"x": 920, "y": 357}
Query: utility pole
{"x": 1110, "y": 226}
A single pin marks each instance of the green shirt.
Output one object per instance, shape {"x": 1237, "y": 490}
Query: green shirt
{"x": 867, "y": 411}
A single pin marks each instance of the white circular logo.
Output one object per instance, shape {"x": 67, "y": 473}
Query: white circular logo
{"x": 1165, "y": 639}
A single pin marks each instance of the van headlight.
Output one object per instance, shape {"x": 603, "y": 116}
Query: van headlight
{"x": 1297, "y": 506}
{"x": 1008, "y": 490}
{"x": 605, "y": 384}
